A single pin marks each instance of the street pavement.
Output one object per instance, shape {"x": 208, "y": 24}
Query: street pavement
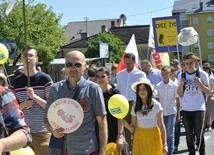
{"x": 209, "y": 142}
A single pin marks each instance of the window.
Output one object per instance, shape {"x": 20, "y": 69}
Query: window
{"x": 195, "y": 20}
{"x": 209, "y": 19}
{"x": 196, "y": 47}
{"x": 210, "y": 32}
{"x": 176, "y": 13}
{"x": 210, "y": 45}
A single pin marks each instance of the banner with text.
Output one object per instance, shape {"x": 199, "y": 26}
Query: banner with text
{"x": 166, "y": 31}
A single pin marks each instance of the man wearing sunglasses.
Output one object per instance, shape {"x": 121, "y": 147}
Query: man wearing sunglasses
{"x": 191, "y": 89}
{"x": 83, "y": 141}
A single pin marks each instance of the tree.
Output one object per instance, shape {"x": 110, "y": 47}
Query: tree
{"x": 43, "y": 29}
{"x": 114, "y": 43}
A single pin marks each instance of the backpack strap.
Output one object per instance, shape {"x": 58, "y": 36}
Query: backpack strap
{"x": 79, "y": 88}
{"x": 183, "y": 76}
{"x": 197, "y": 73}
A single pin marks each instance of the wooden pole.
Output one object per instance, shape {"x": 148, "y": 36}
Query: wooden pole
{"x": 25, "y": 44}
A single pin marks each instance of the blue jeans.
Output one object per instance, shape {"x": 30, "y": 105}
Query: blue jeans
{"x": 193, "y": 123}
{"x": 169, "y": 122}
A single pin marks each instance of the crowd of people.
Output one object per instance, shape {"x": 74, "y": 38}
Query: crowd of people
{"x": 159, "y": 101}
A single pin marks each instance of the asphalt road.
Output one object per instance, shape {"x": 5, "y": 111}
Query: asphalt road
{"x": 209, "y": 142}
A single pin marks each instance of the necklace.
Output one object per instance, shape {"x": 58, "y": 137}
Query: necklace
{"x": 146, "y": 109}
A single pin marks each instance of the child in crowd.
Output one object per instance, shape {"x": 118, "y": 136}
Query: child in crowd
{"x": 147, "y": 121}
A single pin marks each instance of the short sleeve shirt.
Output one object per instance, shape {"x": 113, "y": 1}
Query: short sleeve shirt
{"x": 83, "y": 140}
{"x": 150, "y": 120}
{"x": 193, "y": 98}
{"x": 167, "y": 94}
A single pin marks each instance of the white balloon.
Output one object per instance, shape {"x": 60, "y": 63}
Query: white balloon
{"x": 187, "y": 36}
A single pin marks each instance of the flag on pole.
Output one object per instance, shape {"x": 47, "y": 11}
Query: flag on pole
{"x": 131, "y": 48}
{"x": 10, "y": 5}
{"x": 151, "y": 41}
{"x": 158, "y": 60}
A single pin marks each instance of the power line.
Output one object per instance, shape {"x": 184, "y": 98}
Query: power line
{"x": 148, "y": 12}
{"x": 138, "y": 14}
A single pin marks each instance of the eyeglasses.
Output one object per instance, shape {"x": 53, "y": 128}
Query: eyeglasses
{"x": 189, "y": 63}
{"x": 102, "y": 76}
{"x": 76, "y": 65}
{"x": 29, "y": 55}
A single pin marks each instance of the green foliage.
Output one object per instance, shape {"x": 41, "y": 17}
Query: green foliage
{"x": 114, "y": 43}
{"x": 43, "y": 29}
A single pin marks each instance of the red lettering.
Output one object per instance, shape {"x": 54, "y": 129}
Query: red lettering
{"x": 157, "y": 59}
{"x": 156, "y": 56}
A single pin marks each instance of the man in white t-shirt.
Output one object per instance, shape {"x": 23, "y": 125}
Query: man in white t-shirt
{"x": 193, "y": 85}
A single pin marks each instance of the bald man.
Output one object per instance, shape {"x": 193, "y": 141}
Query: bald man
{"x": 83, "y": 141}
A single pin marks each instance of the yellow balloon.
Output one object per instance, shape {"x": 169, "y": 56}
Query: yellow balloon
{"x": 111, "y": 149}
{"x": 118, "y": 106}
{"x": 3, "y": 54}
{"x": 23, "y": 151}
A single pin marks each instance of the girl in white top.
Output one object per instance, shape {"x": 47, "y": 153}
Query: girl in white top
{"x": 147, "y": 122}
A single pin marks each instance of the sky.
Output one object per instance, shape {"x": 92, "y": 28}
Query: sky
{"x": 138, "y": 12}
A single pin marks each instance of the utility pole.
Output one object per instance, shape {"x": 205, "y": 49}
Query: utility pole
{"x": 86, "y": 26}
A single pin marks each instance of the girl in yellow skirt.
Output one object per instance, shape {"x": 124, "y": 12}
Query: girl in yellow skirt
{"x": 147, "y": 122}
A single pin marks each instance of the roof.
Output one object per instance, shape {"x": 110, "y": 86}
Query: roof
{"x": 74, "y": 29}
{"x": 141, "y": 33}
{"x": 193, "y": 6}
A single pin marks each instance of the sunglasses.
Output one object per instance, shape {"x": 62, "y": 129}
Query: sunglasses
{"x": 76, "y": 65}
{"x": 102, "y": 76}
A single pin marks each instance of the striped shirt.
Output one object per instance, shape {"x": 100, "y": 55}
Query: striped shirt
{"x": 40, "y": 82}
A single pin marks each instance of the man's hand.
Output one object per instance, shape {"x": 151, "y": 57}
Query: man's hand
{"x": 30, "y": 92}
{"x": 120, "y": 141}
{"x": 58, "y": 133}
{"x": 183, "y": 81}
{"x": 197, "y": 80}
{"x": 28, "y": 103}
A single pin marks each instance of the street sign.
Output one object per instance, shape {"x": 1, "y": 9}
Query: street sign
{"x": 104, "y": 53}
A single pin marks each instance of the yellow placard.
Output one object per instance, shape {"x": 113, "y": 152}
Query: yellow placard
{"x": 166, "y": 32}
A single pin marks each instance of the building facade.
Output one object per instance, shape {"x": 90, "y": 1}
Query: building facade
{"x": 200, "y": 16}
